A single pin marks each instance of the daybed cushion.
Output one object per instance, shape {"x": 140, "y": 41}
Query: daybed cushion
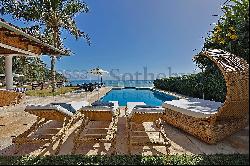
{"x": 194, "y": 107}
{"x": 147, "y": 109}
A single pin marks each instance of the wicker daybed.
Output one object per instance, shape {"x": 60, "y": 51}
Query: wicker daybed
{"x": 232, "y": 115}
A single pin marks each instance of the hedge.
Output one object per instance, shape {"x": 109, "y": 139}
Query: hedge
{"x": 217, "y": 159}
{"x": 213, "y": 86}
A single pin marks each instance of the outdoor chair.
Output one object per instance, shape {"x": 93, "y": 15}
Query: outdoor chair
{"x": 22, "y": 90}
{"x": 84, "y": 87}
{"x": 51, "y": 123}
{"x": 138, "y": 113}
{"x": 105, "y": 116}
{"x": 60, "y": 84}
{"x": 91, "y": 87}
{"x": 35, "y": 86}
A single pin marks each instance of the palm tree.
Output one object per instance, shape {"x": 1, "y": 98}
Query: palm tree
{"x": 51, "y": 16}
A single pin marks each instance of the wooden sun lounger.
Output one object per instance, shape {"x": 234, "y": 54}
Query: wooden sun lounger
{"x": 136, "y": 117}
{"x": 105, "y": 133}
{"x": 39, "y": 133}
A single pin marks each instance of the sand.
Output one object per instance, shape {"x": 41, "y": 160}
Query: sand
{"x": 14, "y": 121}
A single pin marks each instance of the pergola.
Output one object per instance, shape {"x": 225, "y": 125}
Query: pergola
{"x": 15, "y": 42}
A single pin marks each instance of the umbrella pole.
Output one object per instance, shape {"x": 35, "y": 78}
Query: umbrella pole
{"x": 98, "y": 87}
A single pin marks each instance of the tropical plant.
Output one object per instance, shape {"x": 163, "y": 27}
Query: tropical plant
{"x": 32, "y": 68}
{"x": 231, "y": 33}
{"x": 50, "y": 17}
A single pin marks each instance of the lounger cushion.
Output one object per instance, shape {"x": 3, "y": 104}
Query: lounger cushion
{"x": 34, "y": 108}
{"x": 66, "y": 106}
{"x": 97, "y": 108}
{"x": 141, "y": 107}
{"x": 131, "y": 105}
{"x": 102, "y": 103}
{"x": 116, "y": 104}
{"x": 145, "y": 106}
{"x": 148, "y": 110}
{"x": 78, "y": 104}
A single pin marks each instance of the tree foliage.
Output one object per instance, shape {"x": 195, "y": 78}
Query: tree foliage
{"x": 231, "y": 33}
{"x": 50, "y": 18}
{"x": 33, "y": 69}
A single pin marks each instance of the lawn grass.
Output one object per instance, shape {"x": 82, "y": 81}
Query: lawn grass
{"x": 48, "y": 92}
{"x": 217, "y": 159}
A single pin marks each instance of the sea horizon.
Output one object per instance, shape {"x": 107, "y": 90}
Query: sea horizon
{"x": 116, "y": 83}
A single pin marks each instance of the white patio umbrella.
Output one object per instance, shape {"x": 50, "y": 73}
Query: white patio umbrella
{"x": 98, "y": 72}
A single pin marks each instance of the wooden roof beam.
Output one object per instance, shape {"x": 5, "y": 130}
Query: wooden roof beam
{"x": 51, "y": 49}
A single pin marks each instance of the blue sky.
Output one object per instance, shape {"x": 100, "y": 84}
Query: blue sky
{"x": 132, "y": 34}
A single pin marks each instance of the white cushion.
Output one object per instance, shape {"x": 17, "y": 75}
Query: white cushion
{"x": 194, "y": 106}
{"x": 49, "y": 107}
{"x": 149, "y": 110}
{"x": 77, "y": 105}
{"x": 97, "y": 108}
{"x": 131, "y": 105}
{"x": 116, "y": 104}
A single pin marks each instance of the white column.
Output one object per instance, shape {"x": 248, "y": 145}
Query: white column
{"x": 8, "y": 72}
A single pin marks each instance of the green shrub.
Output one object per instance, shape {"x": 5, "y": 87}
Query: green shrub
{"x": 217, "y": 159}
{"x": 195, "y": 85}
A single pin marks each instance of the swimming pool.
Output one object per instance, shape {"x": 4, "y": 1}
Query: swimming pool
{"x": 148, "y": 96}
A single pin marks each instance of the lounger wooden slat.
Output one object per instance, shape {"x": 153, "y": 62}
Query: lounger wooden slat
{"x": 139, "y": 116}
{"x": 85, "y": 133}
{"x": 49, "y": 134}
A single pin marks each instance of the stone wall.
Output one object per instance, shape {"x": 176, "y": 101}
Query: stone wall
{"x": 8, "y": 98}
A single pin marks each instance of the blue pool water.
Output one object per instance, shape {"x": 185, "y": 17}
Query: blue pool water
{"x": 150, "y": 97}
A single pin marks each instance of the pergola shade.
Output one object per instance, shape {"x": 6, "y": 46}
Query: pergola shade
{"x": 15, "y": 41}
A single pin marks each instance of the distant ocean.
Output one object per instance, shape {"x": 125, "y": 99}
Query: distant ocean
{"x": 116, "y": 83}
